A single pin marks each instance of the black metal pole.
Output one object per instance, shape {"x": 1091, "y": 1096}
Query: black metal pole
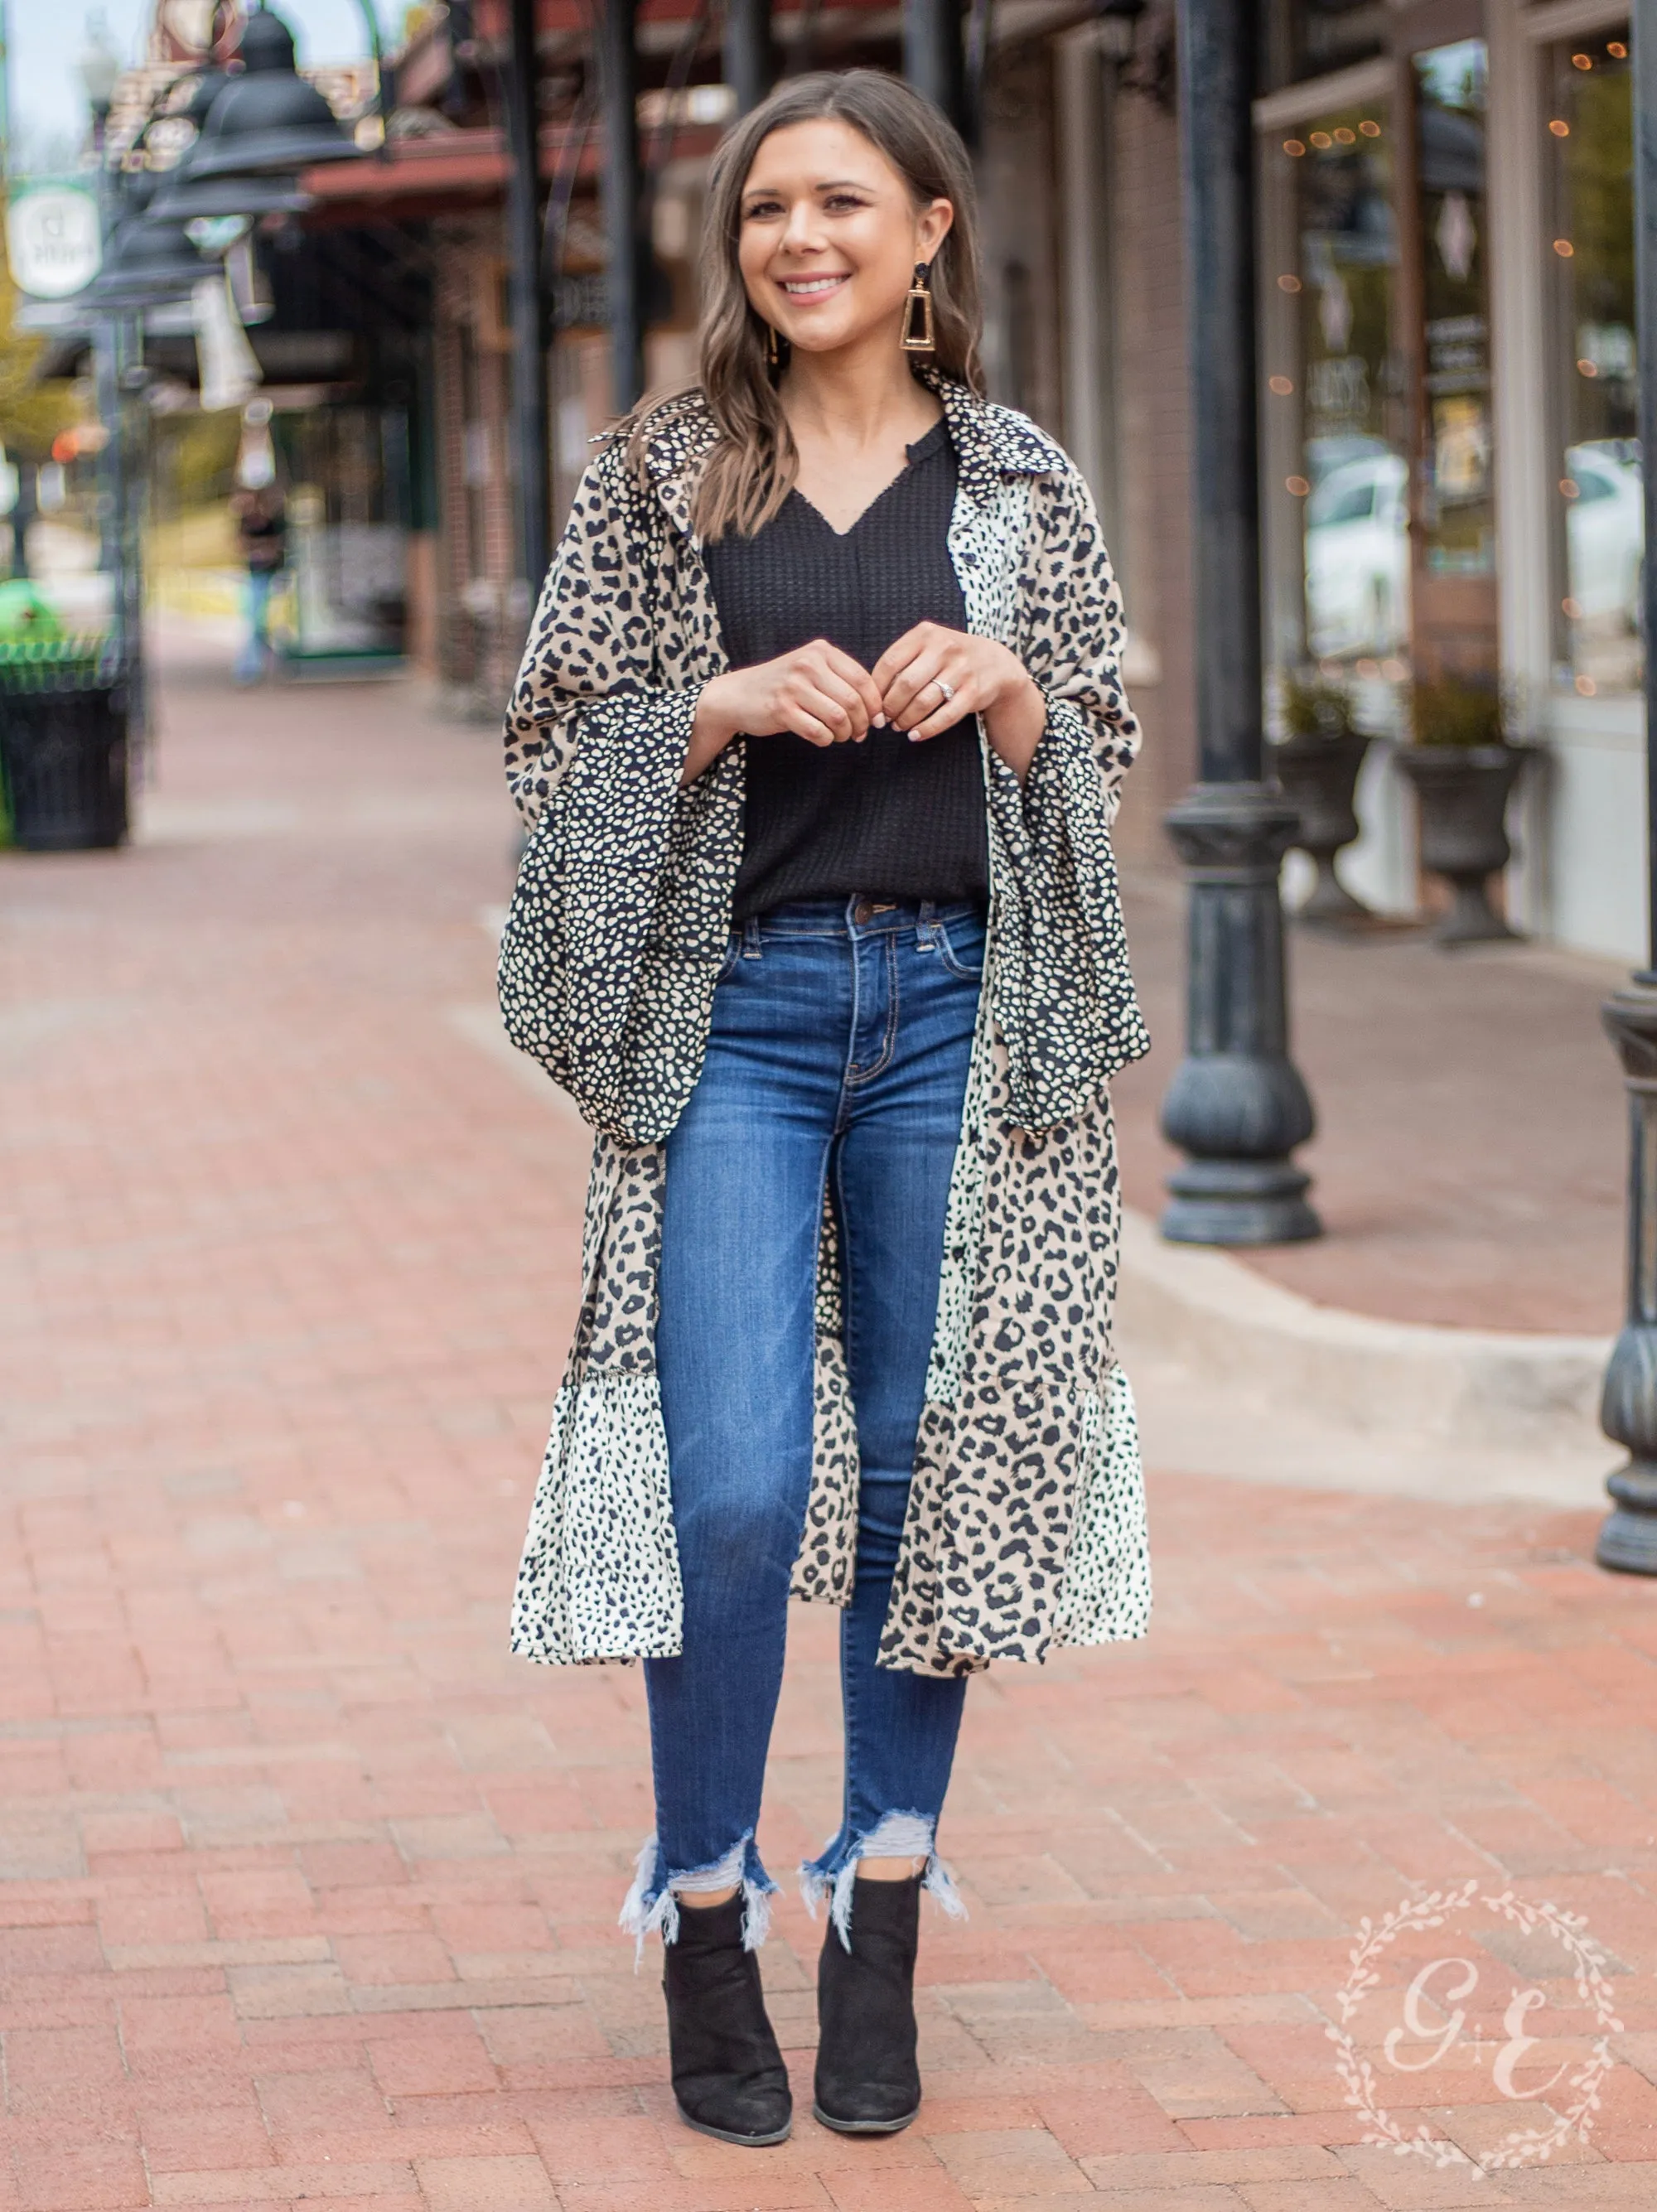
{"x": 933, "y": 60}
{"x": 531, "y": 455}
{"x": 623, "y": 198}
{"x": 22, "y": 515}
{"x": 133, "y": 475}
{"x": 749, "y": 62}
{"x": 118, "y": 377}
{"x": 1237, "y": 1106}
{"x": 1628, "y": 1408}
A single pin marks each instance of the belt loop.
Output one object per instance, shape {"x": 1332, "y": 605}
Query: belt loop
{"x": 751, "y": 939}
{"x": 926, "y": 928}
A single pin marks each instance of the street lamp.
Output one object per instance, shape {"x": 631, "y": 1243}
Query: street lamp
{"x": 99, "y": 67}
{"x": 1628, "y": 1408}
{"x": 183, "y": 196}
{"x": 117, "y": 358}
{"x": 1237, "y": 1106}
{"x": 267, "y": 120}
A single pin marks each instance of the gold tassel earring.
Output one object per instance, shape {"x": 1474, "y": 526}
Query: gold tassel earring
{"x": 917, "y": 312}
{"x": 772, "y": 350}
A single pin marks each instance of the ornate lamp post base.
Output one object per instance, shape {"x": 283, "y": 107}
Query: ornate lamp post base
{"x": 1628, "y": 1407}
{"x": 1237, "y": 1105}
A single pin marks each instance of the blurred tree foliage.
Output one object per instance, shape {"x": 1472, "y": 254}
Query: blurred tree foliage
{"x": 31, "y": 413}
{"x": 195, "y": 460}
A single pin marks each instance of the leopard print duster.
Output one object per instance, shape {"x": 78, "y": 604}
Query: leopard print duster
{"x": 1026, "y": 1523}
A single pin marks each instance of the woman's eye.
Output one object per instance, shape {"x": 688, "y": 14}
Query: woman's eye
{"x": 762, "y": 210}
{"x": 843, "y": 202}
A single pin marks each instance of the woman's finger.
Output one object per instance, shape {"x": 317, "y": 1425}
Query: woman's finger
{"x": 844, "y": 695}
{"x": 821, "y": 704}
{"x": 899, "y": 654}
{"x": 917, "y": 692}
{"x": 810, "y": 694}
{"x": 906, "y": 685}
{"x": 964, "y": 702}
{"x": 807, "y": 726}
{"x": 852, "y": 672}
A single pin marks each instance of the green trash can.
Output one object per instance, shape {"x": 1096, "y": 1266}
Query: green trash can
{"x": 63, "y": 744}
{"x": 27, "y": 615}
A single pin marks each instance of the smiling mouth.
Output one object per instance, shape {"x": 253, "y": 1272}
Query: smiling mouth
{"x": 812, "y": 288}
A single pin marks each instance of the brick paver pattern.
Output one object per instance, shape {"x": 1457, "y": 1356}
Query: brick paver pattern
{"x": 1471, "y": 1153}
{"x": 310, "y": 1889}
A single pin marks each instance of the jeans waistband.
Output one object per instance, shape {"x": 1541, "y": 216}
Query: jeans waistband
{"x": 857, "y": 917}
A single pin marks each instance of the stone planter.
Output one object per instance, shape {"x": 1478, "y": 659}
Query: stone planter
{"x": 1462, "y": 793}
{"x": 1319, "y": 775}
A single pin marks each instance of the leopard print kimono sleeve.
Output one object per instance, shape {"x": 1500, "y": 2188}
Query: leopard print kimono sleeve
{"x": 1064, "y": 1000}
{"x": 596, "y": 737}
{"x": 593, "y": 640}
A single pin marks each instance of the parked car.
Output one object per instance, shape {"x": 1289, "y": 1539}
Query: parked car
{"x": 1604, "y": 534}
{"x": 1357, "y": 558}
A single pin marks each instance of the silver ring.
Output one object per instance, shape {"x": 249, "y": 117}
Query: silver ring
{"x": 948, "y": 690}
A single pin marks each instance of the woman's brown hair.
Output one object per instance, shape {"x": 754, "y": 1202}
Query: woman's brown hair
{"x": 751, "y": 471}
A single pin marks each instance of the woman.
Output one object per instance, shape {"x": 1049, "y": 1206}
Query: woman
{"x": 821, "y": 730}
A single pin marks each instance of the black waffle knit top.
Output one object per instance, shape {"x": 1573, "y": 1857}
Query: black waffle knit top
{"x": 886, "y": 818}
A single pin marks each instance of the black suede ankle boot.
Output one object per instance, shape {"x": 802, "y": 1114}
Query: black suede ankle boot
{"x": 728, "y": 2075}
{"x": 867, "y": 2081}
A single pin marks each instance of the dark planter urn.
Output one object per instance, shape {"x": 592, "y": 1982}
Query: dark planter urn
{"x": 1462, "y": 793}
{"x": 1319, "y": 775}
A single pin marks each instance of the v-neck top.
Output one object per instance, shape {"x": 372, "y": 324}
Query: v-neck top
{"x": 887, "y": 818}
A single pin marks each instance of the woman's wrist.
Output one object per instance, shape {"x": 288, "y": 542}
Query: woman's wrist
{"x": 1014, "y": 723}
{"x": 711, "y": 731}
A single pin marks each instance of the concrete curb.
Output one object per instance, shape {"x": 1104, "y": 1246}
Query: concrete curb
{"x": 1480, "y": 1387}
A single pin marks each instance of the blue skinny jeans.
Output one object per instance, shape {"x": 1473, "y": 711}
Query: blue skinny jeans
{"x": 838, "y": 1058}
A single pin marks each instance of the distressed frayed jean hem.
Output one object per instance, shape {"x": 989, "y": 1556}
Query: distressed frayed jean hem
{"x": 651, "y": 1905}
{"x": 897, "y": 1836}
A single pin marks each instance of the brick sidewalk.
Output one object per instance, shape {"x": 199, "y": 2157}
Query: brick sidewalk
{"x": 310, "y": 1889}
{"x": 1470, "y": 1152}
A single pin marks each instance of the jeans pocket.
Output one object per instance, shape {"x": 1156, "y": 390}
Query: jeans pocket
{"x": 960, "y": 948}
{"x": 732, "y": 954}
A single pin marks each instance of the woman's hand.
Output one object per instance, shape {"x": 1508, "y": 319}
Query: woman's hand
{"x": 933, "y": 677}
{"x": 819, "y": 693}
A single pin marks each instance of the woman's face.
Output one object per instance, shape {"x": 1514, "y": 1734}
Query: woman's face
{"x": 830, "y": 236}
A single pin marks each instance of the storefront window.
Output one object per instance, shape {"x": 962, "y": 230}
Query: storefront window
{"x": 1308, "y": 38}
{"x": 1458, "y": 514}
{"x": 1588, "y": 147}
{"x": 1336, "y": 425}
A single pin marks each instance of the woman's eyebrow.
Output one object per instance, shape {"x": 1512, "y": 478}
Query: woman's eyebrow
{"x": 830, "y": 184}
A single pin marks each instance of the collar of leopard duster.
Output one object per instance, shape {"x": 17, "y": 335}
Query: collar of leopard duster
{"x": 991, "y": 443}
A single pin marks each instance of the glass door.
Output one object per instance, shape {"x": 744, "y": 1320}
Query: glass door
{"x": 1336, "y": 429}
{"x": 1453, "y": 513}
{"x": 1600, "y": 507}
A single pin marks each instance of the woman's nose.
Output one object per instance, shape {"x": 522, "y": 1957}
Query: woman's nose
{"x": 800, "y": 232}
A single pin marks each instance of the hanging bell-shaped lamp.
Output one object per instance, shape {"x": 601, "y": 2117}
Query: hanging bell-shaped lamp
{"x": 148, "y": 263}
{"x": 187, "y": 197}
{"x": 267, "y": 121}
{"x": 183, "y": 196}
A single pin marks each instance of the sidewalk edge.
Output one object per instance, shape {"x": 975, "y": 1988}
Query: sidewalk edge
{"x": 1209, "y": 1313}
